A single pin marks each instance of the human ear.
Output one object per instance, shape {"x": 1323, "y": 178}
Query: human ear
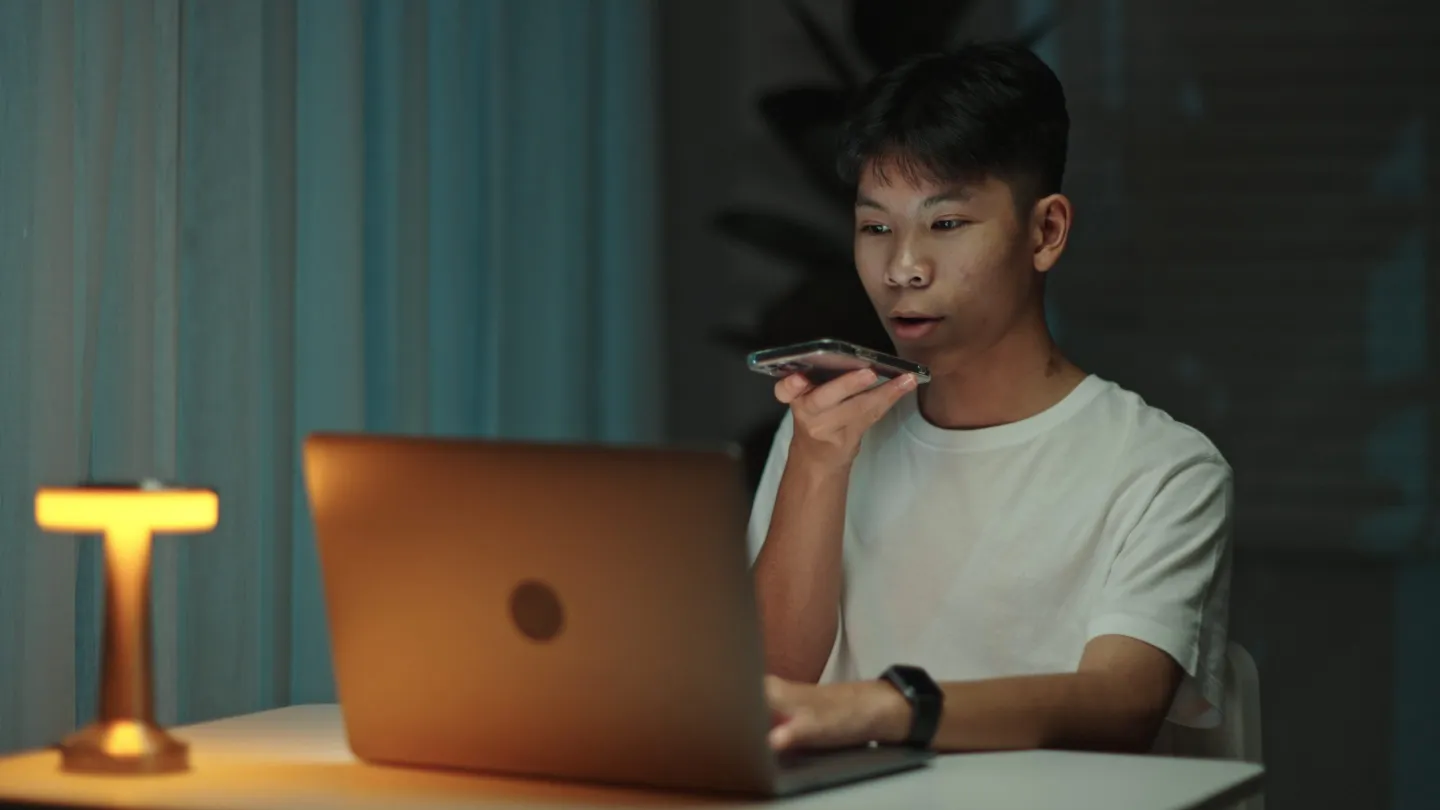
{"x": 1050, "y": 221}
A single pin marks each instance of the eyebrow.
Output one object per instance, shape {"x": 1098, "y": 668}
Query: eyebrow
{"x": 952, "y": 194}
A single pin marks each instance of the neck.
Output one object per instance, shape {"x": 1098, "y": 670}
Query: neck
{"x": 1015, "y": 377}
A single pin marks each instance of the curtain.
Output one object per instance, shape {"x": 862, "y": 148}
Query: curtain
{"x": 225, "y": 225}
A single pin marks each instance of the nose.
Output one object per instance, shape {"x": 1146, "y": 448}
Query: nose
{"x": 909, "y": 269}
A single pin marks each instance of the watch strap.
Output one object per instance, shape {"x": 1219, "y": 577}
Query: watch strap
{"x": 926, "y": 699}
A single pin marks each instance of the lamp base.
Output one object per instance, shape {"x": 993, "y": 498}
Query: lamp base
{"x": 123, "y": 747}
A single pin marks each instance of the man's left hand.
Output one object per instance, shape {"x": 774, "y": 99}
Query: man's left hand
{"x": 835, "y": 715}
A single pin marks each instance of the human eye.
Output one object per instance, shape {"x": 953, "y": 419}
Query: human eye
{"x": 874, "y": 228}
{"x": 948, "y": 224}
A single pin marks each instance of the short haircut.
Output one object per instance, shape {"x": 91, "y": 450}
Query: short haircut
{"x": 992, "y": 109}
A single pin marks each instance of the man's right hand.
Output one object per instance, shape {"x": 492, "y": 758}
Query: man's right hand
{"x": 830, "y": 419}
{"x": 798, "y": 570}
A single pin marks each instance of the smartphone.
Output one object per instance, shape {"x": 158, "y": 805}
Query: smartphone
{"x": 823, "y": 360}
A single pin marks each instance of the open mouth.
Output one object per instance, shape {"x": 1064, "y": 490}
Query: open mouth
{"x": 911, "y": 327}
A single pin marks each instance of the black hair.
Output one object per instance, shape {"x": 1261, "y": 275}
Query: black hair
{"x": 993, "y": 109}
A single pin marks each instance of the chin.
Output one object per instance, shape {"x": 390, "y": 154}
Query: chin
{"x": 935, "y": 339}
{"x": 917, "y": 351}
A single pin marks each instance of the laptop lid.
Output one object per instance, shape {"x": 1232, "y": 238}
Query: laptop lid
{"x": 554, "y": 610}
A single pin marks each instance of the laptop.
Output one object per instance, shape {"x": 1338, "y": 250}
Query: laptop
{"x": 576, "y": 612}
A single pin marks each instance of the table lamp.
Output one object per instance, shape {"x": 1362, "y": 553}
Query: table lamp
{"x": 124, "y": 739}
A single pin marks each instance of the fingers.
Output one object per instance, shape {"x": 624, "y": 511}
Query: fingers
{"x": 807, "y": 716}
{"x": 788, "y": 718}
{"x": 777, "y": 698}
{"x": 782, "y": 737}
{"x": 791, "y": 388}
{"x": 797, "y": 731}
{"x": 840, "y": 389}
{"x": 775, "y": 691}
{"x": 868, "y": 407}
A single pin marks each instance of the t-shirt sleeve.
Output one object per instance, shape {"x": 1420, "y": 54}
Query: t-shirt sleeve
{"x": 764, "y": 503}
{"x": 1169, "y": 584}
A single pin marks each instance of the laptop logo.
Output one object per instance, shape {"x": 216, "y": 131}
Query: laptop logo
{"x": 536, "y": 610}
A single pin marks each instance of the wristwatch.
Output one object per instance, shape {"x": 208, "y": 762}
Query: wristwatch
{"x": 926, "y": 701}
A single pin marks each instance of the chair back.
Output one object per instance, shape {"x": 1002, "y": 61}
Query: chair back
{"x": 1238, "y": 734}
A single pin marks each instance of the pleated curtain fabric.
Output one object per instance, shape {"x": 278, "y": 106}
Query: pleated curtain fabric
{"x": 225, "y": 225}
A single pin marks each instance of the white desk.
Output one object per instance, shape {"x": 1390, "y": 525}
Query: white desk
{"x": 296, "y": 757}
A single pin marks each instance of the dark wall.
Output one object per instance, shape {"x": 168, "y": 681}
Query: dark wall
{"x": 1256, "y": 253}
{"x": 701, "y": 106}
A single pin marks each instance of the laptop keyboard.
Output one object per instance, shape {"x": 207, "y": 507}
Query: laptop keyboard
{"x": 801, "y": 760}
{"x": 790, "y": 760}
{"x": 807, "y": 770}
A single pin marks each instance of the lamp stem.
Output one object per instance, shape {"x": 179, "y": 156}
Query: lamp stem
{"x": 126, "y": 686}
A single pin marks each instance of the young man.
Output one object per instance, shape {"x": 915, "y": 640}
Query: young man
{"x": 1051, "y": 550}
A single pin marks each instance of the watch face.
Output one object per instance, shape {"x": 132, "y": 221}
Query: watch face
{"x": 925, "y": 698}
{"x": 916, "y": 680}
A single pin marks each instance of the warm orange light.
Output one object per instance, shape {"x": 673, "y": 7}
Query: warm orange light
{"x": 125, "y": 738}
{"x": 100, "y": 510}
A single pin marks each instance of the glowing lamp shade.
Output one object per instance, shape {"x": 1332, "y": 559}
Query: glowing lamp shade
{"x": 124, "y": 739}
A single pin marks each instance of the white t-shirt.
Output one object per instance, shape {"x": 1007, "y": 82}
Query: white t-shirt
{"x": 1002, "y": 551}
